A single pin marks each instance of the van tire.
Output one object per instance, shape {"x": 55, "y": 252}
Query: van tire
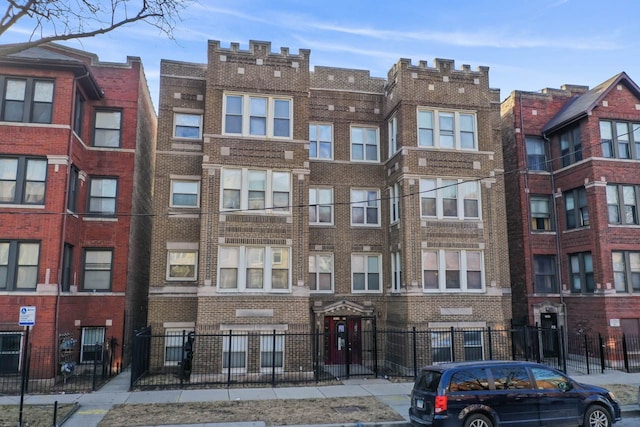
{"x": 597, "y": 416}
{"x": 478, "y": 420}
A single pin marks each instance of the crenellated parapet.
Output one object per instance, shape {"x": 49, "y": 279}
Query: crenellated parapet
{"x": 258, "y": 49}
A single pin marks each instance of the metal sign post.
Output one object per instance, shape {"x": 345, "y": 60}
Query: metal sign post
{"x": 28, "y": 319}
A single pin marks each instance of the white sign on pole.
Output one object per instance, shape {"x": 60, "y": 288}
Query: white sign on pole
{"x": 27, "y": 315}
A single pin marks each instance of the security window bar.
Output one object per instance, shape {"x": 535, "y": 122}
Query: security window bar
{"x": 266, "y": 116}
{"x": 188, "y": 126}
{"x": 254, "y": 269}
{"x": 365, "y": 207}
{"x": 19, "y": 263}
{"x": 107, "y": 129}
{"x": 26, "y": 100}
{"x": 320, "y": 206}
{"x": 571, "y": 146}
{"x": 182, "y": 265}
{"x": 545, "y": 279}
{"x": 320, "y": 141}
{"x": 622, "y": 203}
{"x": 366, "y": 273}
{"x": 626, "y": 271}
{"x": 576, "y": 209}
{"x": 453, "y": 130}
{"x": 452, "y": 271}
{"x": 364, "y": 144}
{"x": 97, "y": 270}
{"x": 23, "y": 180}
{"x": 256, "y": 190}
{"x": 102, "y": 196}
{"x": 537, "y": 154}
{"x": 581, "y": 273}
{"x": 185, "y": 193}
{"x": 92, "y": 345}
{"x": 541, "y": 213}
{"x": 321, "y": 273}
{"x": 450, "y": 198}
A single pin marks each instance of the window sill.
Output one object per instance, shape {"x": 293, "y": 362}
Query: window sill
{"x": 21, "y": 206}
{"x": 99, "y": 218}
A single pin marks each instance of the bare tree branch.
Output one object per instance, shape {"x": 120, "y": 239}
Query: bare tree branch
{"x": 60, "y": 20}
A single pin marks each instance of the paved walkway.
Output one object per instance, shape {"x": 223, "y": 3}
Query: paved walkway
{"x": 94, "y": 406}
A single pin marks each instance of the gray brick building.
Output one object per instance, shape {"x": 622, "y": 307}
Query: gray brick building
{"x": 292, "y": 199}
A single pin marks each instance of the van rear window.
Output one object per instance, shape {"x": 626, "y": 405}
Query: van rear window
{"x": 428, "y": 381}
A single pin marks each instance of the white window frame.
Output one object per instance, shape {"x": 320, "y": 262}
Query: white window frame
{"x": 442, "y": 186}
{"x": 171, "y": 278}
{"x": 174, "y": 336}
{"x": 174, "y": 182}
{"x": 271, "y": 253}
{"x": 266, "y": 346}
{"x": 246, "y": 115}
{"x": 358, "y": 203}
{"x": 462, "y": 269}
{"x": 440, "y": 339}
{"x": 190, "y": 126}
{"x": 83, "y": 341}
{"x": 393, "y": 136}
{"x": 394, "y": 203}
{"x": 269, "y": 189}
{"x": 457, "y": 131}
{"x": 467, "y": 342}
{"x": 364, "y": 143}
{"x": 314, "y": 129}
{"x": 396, "y": 271}
{"x": 239, "y": 343}
{"x": 315, "y": 204}
{"x": 314, "y": 268}
{"x": 366, "y": 272}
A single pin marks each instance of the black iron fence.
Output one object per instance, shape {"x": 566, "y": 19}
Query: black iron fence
{"x": 50, "y": 370}
{"x": 228, "y": 358}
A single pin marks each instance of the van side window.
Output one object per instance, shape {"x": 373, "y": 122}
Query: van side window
{"x": 510, "y": 378}
{"x": 428, "y": 381}
{"x": 547, "y": 379}
{"x": 469, "y": 380}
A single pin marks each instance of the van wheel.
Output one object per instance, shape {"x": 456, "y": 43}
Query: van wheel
{"x": 478, "y": 420}
{"x": 597, "y": 416}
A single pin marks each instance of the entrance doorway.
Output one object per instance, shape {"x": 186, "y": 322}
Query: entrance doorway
{"x": 549, "y": 327}
{"x": 342, "y": 340}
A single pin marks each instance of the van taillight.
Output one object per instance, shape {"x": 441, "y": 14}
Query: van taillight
{"x": 441, "y": 404}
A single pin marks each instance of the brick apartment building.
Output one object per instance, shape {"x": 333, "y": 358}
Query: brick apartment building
{"x": 77, "y": 142}
{"x": 571, "y": 157}
{"x": 291, "y": 199}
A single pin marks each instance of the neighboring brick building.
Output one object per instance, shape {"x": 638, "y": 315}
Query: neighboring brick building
{"x": 77, "y": 145}
{"x": 302, "y": 200}
{"x": 571, "y": 160}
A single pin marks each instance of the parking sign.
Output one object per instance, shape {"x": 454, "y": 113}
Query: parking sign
{"x": 27, "y": 315}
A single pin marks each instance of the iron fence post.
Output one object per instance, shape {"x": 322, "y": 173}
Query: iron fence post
{"x": 181, "y": 362}
{"x": 375, "y": 348}
{"x": 453, "y": 345}
{"x": 624, "y": 351}
{"x": 229, "y": 358}
{"x": 273, "y": 359}
{"x": 562, "y": 349}
{"x": 490, "y": 342}
{"x": 415, "y": 352}
{"x": 316, "y": 355}
{"x": 602, "y": 349}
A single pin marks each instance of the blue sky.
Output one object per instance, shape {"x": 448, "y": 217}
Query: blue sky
{"x": 528, "y": 45}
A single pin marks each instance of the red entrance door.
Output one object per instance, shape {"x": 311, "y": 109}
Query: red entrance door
{"x": 342, "y": 340}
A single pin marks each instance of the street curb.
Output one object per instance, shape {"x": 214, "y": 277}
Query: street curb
{"x": 358, "y": 424}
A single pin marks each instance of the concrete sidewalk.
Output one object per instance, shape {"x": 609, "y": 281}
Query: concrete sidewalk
{"x": 94, "y": 406}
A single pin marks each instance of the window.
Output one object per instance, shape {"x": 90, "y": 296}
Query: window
{"x": 321, "y": 273}
{"x": 365, "y": 207}
{"x": 23, "y": 180}
{"x": 541, "y": 213}
{"x": 622, "y": 202}
{"x": 396, "y": 271}
{"x": 364, "y": 144}
{"x": 102, "y": 196}
{"x": 571, "y": 146}
{"x": 92, "y": 345}
{"x": 320, "y": 206}
{"x": 537, "y": 154}
{"x": 575, "y": 205}
{"x": 547, "y": 379}
{"x": 67, "y": 264}
{"x": 447, "y": 129}
{"x": 10, "y": 345}
{"x": 394, "y": 202}
{"x": 27, "y": 100}
{"x": 72, "y": 198}
{"x": 97, "y": 269}
{"x": 174, "y": 340}
{"x": 321, "y": 141}
{"x": 393, "y": 136}
{"x": 470, "y": 380}
{"x": 452, "y": 271}
{"x": 249, "y": 115}
{"x": 78, "y": 114}
{"x": 511, "y": 378}
{"x": 473, "y": 349}
{"x": 272, "y": 352}
{"x": 626, "y": 271}
{"x": 182, "y": 265}
{"x": 441, "y": 347}
{"x": 107, "y": 129}
{"x": 545, "y": 274}
{"x": 255, "y": 190}
{"x": 581, "y": 273}
{"x": 234, "y": 352}
{"x": 365, "y": 273}
{"x": 254, "y": 269}
{"x": 620, "y": 140}
{"x": 19, "y": 262}
{"x": 185, "y": 193}
{"x": 450, "y": 198}
{"x": 187, "y": 126}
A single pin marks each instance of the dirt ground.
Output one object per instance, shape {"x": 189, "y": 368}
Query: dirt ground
{"x": 33, "y": 415}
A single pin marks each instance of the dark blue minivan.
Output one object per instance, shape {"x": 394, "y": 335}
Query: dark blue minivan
{"x": 507, "y": 394}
